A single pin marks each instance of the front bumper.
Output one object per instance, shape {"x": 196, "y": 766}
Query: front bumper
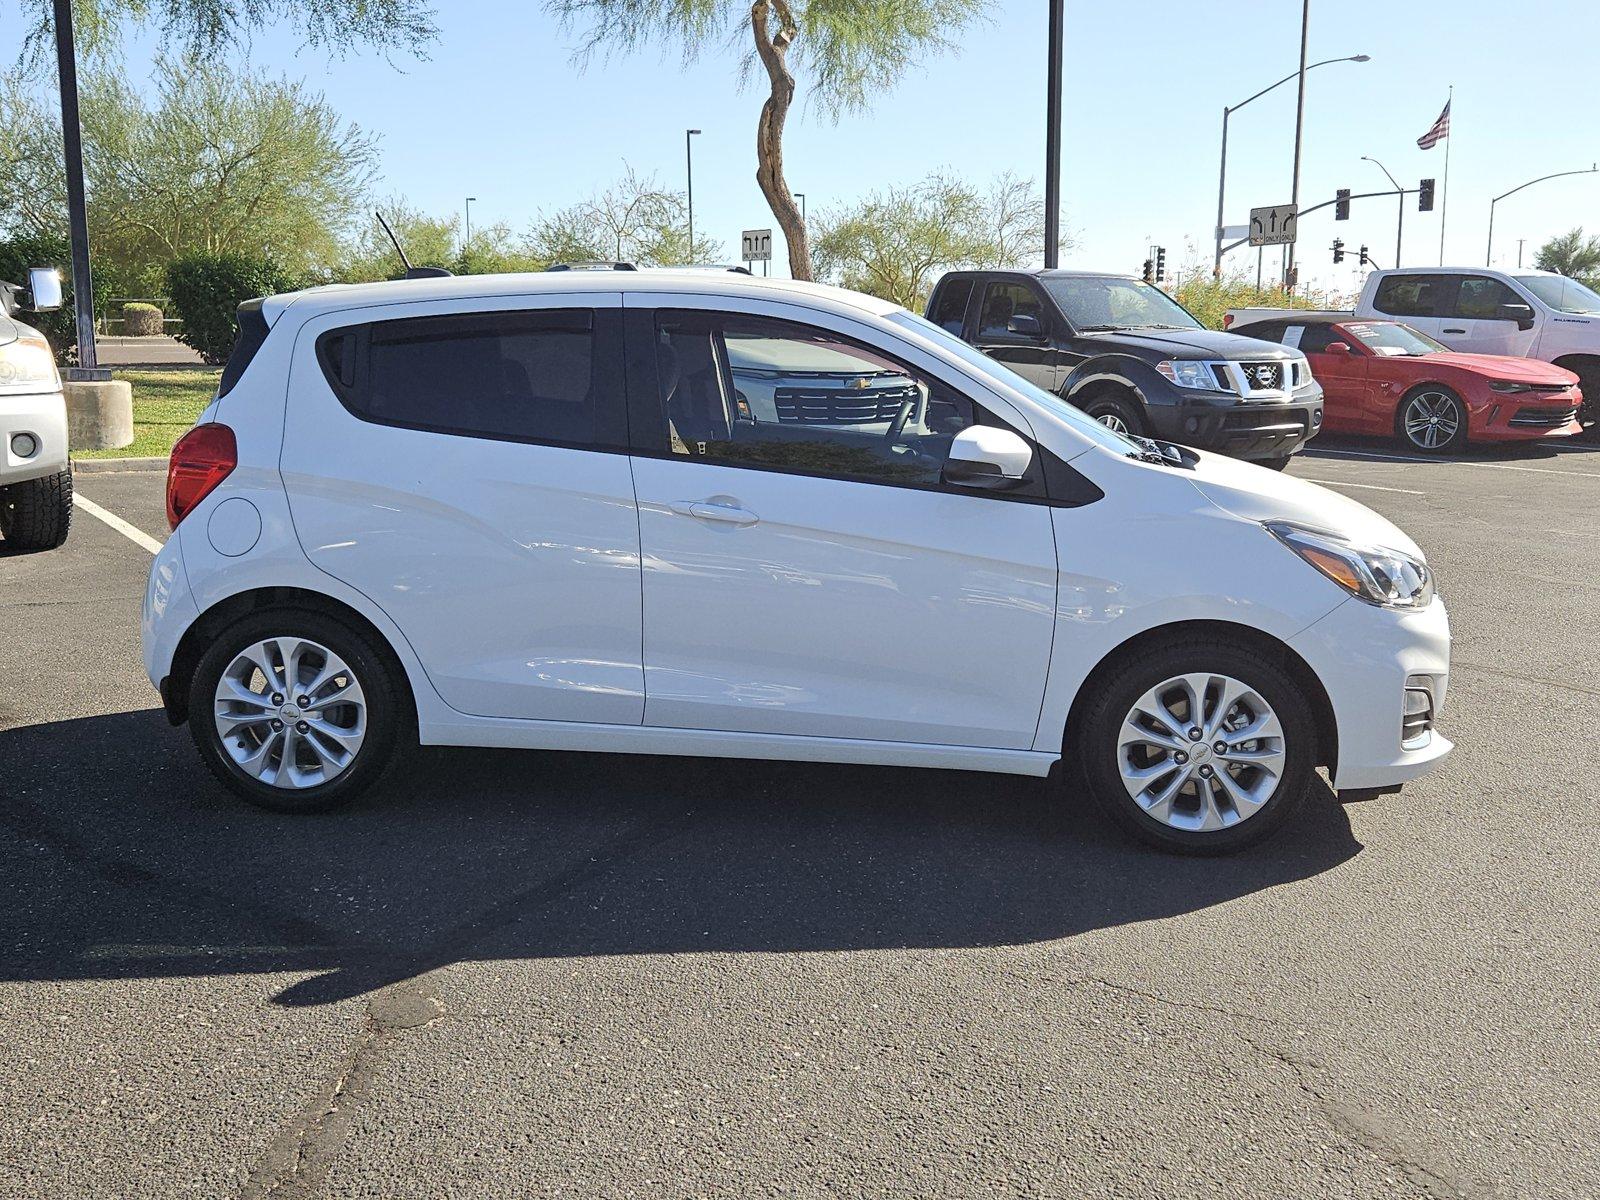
{"x": 43, "y": 415}
{"x": 1522, "y": 418}
{"x": 1365, "y": 657}
{"x": 1240, "y": 429}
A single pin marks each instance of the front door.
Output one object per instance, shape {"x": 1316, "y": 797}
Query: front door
{"x": 806, "y": 572}
{"x": 466, "y": 470}
{"x": 1343, "y": 375}
{"x": 1478, "y": 309}
{"x": 1031, "y": 355}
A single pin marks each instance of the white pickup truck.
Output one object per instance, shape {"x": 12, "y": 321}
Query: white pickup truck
{"x": 35, "y": 476}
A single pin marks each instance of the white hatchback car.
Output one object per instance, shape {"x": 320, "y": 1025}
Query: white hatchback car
{"x": 539, "y": 511}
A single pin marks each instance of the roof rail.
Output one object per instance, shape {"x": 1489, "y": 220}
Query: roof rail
{"x": 592, "y": 266}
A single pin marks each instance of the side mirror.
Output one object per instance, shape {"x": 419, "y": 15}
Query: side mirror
{"x": 44, "y": 288}
{"x": 1338, "y": 348}
{"x": 1522, "y": 314}
{"x": 988, "y": 458}
{"x": 1025, "y": 325}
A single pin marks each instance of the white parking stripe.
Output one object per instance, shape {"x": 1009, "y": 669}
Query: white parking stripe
{"x": 1362, "y": 455}
{"x": 1371, "y": 487}
{"x": 137, "y": 536}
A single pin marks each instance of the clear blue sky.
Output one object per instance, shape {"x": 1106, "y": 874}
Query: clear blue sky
{"x": 500, "y": 111}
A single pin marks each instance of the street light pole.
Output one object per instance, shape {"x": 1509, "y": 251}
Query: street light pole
{"x": 1052, "y": 138}
{"x": 466, "y": 235}
{"x": 88, "y": 368}
{"x": 688, "y": 160}
{"x": 1400, "y": 223}
{"x": 1488, "y": 258}
{"x": 1222, "y": 171}
{"x": 1299, "y": 125}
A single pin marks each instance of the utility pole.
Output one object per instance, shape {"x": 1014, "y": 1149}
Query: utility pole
{"x": 1299, "y": 127}
{"x": 688, "y": 158}
{"x": 88, "y": 368}
{"x": 1052, "y": 138}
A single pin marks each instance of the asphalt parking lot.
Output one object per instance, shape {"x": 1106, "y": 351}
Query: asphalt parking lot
{"x": 566, "y": 975}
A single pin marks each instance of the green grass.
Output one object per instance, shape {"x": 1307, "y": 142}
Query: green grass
{"x": 165, "y": 405}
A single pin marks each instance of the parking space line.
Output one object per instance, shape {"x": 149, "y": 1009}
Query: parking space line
{"x": 1363, "y": 455}
{"x": 1371, "y": 487}
{"x": 137, "y": 536}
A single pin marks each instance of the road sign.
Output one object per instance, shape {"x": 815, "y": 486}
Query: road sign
{"x": 1233, "y": 233}
{"x": 1273, "y": 226}
{"x": 757, "y": 244}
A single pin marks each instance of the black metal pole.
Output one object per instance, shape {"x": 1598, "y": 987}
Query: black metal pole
{"x": 77, "y": 213}
{"x": 1052, "y": 139}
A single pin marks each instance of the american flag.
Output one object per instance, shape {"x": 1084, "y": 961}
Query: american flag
{"x": 1440, "y": 131}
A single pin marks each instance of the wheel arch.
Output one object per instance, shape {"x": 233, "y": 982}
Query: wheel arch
{"x": 1179, "y": 632}
{"x": 211, "y": 623}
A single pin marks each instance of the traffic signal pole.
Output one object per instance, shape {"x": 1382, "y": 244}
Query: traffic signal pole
{"x": 1052, "y": 138}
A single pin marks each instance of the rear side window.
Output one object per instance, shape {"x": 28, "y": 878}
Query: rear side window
{"x": 514, "y": 376}
{"x": 949, "y": 309}
{"x": 1417, "y": 295}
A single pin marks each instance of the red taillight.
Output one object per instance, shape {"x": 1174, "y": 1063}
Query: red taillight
{"x": 202, "y": 459}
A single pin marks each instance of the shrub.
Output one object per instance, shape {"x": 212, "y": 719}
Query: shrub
{"x": 142, "y": 320}
{"x": 1208, "y": 299}
{"x": 60, "y": 327}
{"x": 207, "y": 289}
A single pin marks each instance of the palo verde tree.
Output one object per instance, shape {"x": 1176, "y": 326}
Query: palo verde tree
{"x": 634, "y": 220}
{"x": 1571, "y": 254}
{"x": 852, "y": 51}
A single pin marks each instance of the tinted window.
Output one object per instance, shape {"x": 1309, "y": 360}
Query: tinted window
{"x": 950, "y": 305}
{"x": 752, "y": 392}
{"x": 1314, "y": 339}
{"x": 1001, "y": 302}
{"x": 518, "y": 376}
{"x": 1271, "y": 331}
{"x": 1481, "y": 298}
{"x": 1417, "y": 295}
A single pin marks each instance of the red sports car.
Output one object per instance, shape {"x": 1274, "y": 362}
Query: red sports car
{"x": 1383, "y": 377}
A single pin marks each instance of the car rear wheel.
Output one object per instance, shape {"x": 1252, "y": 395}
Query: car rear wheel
{"x": 37, "y": 513}
{"x": 1432, "y": 420}
{"x": 1202, "y": 748}
{"x": 294, "y": 711}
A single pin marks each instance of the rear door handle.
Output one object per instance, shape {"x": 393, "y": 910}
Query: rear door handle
{"x": 706, "y": 510}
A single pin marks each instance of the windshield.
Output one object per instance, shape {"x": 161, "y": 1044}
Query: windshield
{"x": 1387, "y": 337}
{"x": 1076, "y": 417}
{"x": 1562, "y": 294}
{"x": 1107, "y": 302}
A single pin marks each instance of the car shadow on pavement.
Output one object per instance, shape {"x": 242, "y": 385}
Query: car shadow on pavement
{"x": 126, "y": 860}
{"x": 1362, "y": 448}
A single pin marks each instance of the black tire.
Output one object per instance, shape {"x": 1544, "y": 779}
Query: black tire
{"x": 387, "y": 713}
{"x": 37, "y": 513}
{"x": 1448, "y": 407}
{"x": 1106, "y": 405}
{"x": 1117, "y": 693}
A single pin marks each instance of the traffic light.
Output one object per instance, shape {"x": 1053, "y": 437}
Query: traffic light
{"x": 1161, "y": 264}
{"x": 1149, "y": 270}
{"x": 1341, "y": 205}
{"x": 1363, "y": 256}
{"x": 1425, "y": 196}
{"x": 1338, "y": 250}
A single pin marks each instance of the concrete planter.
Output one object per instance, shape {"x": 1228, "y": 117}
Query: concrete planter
{"x": 99, "y": 415}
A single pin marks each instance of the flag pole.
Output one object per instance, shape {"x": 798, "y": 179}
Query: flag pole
{"x": 1444, "y": 203}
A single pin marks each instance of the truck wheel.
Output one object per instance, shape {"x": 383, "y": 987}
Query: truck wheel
{"x": 1115, "y": 412}
{"x": 1432, "y": 419}
{"x": 37, "y": 513}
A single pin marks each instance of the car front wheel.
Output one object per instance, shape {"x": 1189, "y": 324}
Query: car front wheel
{"x": 1202, "y": 748}
{"x": 294, "y": 711}
{"x": 1433, "y": 420}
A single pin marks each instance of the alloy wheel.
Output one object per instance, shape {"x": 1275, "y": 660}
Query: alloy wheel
{"x": 1431, "y": 420}
{"x": 1112, "y": 421}
{"x": 1201, "y": 752}
{"x": 290, "y": 713}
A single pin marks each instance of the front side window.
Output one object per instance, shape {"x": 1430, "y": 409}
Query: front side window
{"x": 950, "y": 308}
{"x": 753, "y": 392}
{"x": 1001, "y": 302}
{"x": 1094, "y": 302}
{"x": 1313, "y": 339}
{"x": 1417, "y": 295}
{"x": 515, "y": 376}
{"x": 1481, "y": 297}
{"x": 1562, "y": 294}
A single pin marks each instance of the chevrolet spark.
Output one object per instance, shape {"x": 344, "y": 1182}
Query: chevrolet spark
{"x": 705, "y": 514}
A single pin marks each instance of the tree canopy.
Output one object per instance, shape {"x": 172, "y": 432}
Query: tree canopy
{"x": 1571, "y": 254}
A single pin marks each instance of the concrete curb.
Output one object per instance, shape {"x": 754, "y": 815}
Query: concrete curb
{"x": 91, "y": 466}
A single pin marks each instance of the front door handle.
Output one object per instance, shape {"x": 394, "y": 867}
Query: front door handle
{"x": 709, "y": 510}
{"x": 1452, "y": 331}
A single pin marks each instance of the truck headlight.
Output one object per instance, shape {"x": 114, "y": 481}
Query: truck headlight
{"x": 1188, "y": 373}
{"x": 1375, "y": 574}
{"x": 28, "y": 361}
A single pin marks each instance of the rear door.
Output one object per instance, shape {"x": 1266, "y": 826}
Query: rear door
{"x": 464, "y": 466}
{"x": 1033, "y": 356}
{"x": 1423, "y": 301}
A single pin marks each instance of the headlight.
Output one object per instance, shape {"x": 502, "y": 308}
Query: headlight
{"x": 1190, "y": 374}
{"x": 1388, "y": 578}
{"x": 1507, "y": 385}
{"x": 27, "y": 361}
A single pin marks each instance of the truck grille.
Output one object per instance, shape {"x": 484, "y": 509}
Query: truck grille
{"x": 841, "y": 406}
{"x": 1263, "y": 376}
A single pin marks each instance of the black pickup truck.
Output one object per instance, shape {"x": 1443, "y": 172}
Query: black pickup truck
{"x": 1135, "y": 359}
